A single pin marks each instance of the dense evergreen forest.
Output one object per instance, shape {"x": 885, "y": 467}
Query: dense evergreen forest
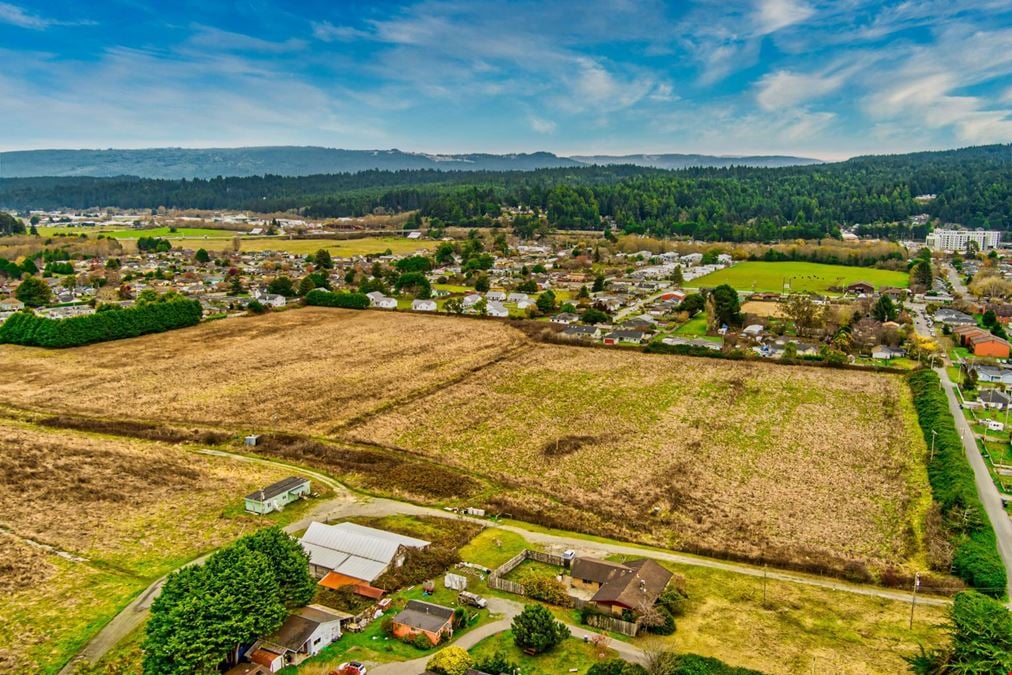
{"x": 972, "y": 187}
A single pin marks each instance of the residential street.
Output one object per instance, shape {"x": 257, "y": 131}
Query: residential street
{"x": 986, "y": 488}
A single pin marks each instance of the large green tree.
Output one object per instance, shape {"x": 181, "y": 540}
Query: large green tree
{"x": 241, "y": 593}
{"x": 10, "y": 225}
{"x": 536, "y": 629}
{"x": 34, "y": 292}
{"x": 981, "y": 630}
{"x": 726, "y": 307}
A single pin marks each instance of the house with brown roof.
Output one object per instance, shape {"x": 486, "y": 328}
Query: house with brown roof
{"x": 435, "y": 622}
{"x": 303, "y": 634}
{"x": 617, "y": 587}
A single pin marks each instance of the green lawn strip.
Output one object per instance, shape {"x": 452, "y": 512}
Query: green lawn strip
{"x": 572, "y": 655}
{"x": 493, "y": 546}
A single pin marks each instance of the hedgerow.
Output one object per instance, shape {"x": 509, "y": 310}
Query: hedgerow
{"x": 323, "y": 298}
{"x": 976, "y": 558}
{"x": 150, "y": 317}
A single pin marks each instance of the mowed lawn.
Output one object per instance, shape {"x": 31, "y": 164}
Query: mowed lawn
{"x": 770, "y": 277}
{"x": 129, "y": 511}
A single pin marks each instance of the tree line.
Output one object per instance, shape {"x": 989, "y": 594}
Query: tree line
{"x": 111, "y": 322}
{"x": 971, "y": 186}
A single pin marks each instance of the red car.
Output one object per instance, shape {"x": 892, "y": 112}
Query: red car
{"x": 350, "y": 668}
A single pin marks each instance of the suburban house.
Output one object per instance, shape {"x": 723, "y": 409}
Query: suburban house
{"x": 988, "y": 345}
{"x": 354, "y": 555}
{"x": 11, "y": 305}
{"x": 1002, "y": 311}
{"x": 886, "y": 353}
{"x": 952, "y": 317}
{"x": 565, "y": 318}
{"x": 993, "y": 374}
{"x": 617, "y": 587}
{"x": 497, "y": 296}
{"x": 377, "y": 299}
{"x": 582, "y": 332}
{"x": 617, "y": 336}
{"x": 517, "y": 297}
{"x": 303, "y": 634}
{"x": 424, "y": 618}
{"x": 860, "y": 288}
{"x": 753, "y": 330}
{"x": 497, "y": 309}
{"x": 423, "y": 305}
{"x": 471, "y": 299}
{"x": 275, "y": 497}
{"x": 992, "y": 398}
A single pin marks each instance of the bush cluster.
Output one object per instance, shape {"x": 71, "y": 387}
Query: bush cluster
{"x": 976, "y": 560}
{"x": 321, "y": 298}
{"x": 154, "y": 317}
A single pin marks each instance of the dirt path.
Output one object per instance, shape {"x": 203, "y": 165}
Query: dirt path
{"x": 346, "y": 504}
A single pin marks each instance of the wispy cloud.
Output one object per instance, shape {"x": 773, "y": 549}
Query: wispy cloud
{"x": 541, "y": 125}
{"x": 17, "y": 16}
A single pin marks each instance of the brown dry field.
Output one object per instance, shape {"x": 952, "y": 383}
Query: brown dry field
{"x": 132, "y": 509}
{"x": 799, "y": 466}
{"x": 308, "y": 370}
{"x": 789, "y": 464}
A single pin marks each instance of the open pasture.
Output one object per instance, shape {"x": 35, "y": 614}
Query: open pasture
{"x": 798, "y": 465}
{"x": 122, "y": 512}
{"x": 305, "y": 371}
{"x": 771, "y": 277}
{"x": 339, "y": 248}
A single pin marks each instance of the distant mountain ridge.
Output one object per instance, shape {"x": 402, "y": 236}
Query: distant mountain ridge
{"x": 176, "y": 163}
{"x": 679, "y": 161}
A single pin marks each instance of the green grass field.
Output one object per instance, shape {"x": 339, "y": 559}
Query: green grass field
{"x": 181, "y": 232}
{"x": 802, "y": 276}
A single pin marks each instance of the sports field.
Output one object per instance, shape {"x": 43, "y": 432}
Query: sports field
{"x": 774, "y": 277}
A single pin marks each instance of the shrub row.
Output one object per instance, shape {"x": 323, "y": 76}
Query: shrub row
{"x": 27, "y": 329}
{"x": 976, "y": 560}
{"x": 322, "y": 298}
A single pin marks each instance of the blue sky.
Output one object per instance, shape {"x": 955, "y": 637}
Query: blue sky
{"x": 824, "y": 79}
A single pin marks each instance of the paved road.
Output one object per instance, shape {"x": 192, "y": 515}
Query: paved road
{"x": 986, "y": 488}
{"x": 957, "y": 283}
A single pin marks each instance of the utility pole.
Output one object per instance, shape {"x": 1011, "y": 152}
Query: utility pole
{"x": 764, "y": 583}
{"x": 913, "y": 598}
{"x": 933, "y": 434}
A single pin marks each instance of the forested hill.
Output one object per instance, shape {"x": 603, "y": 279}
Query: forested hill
{"x": 972, "y": 186}
{"x": 286, "y": 160}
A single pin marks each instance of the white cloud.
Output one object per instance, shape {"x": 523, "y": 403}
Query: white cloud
{"x": 773, "y": 15}
{"x": 786, "y": 89}
{"x": 328, "y": 32}
{"x": 219, "y": 40}
{"x": 16, "y": 16}
{"x": 540, "y": 125}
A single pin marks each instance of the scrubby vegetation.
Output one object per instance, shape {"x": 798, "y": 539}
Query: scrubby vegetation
{"x": 975, "y": 558}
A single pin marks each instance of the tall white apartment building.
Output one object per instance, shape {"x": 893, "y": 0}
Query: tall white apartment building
{"x": 955, "y": 240}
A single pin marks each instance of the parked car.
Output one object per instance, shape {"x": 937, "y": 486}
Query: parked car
{"x": 350, "y": 668}
{"x": 473, "y": 599}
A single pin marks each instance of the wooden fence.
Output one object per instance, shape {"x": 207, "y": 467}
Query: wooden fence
{"x": 495, "y": 579}
{"x": 610, "y": 623}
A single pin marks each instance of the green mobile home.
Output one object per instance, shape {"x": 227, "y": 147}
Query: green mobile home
{"x": 275, "y": 497}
